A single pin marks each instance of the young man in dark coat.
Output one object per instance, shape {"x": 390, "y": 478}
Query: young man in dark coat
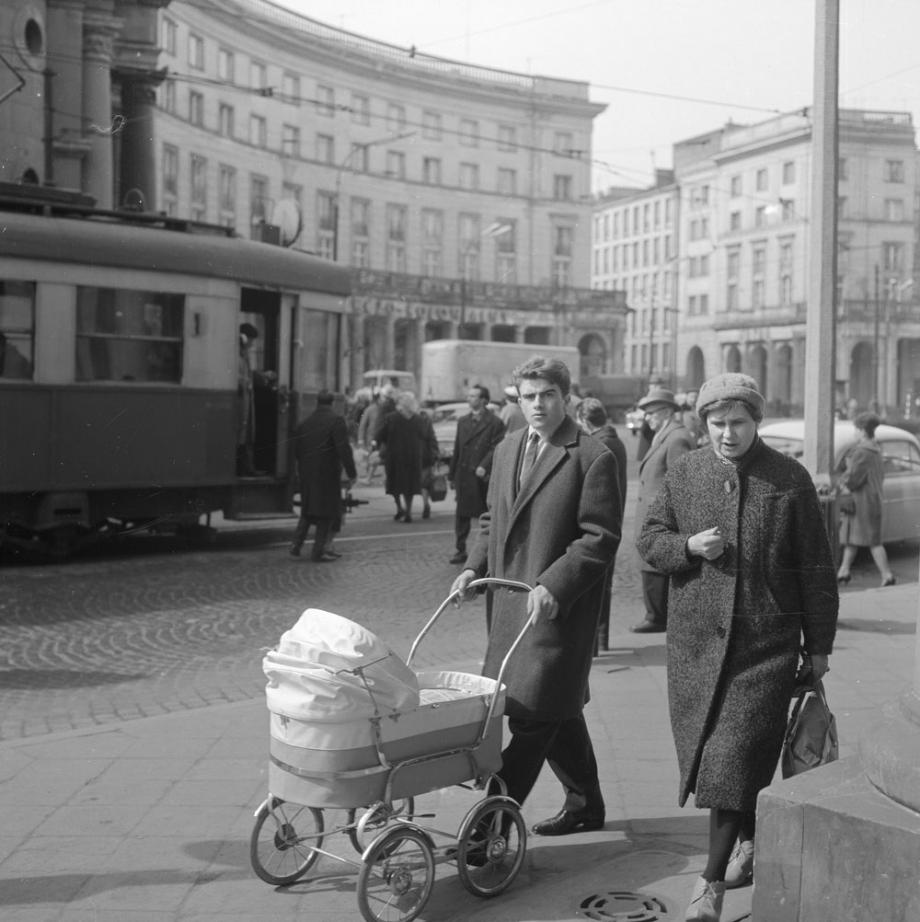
{"x": 477, "y": 435}
{"x": 553, "y": 523}
{"x": 322, "y": 450}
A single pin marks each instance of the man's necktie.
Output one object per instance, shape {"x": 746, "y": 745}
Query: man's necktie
{"x": 530, "y": 457}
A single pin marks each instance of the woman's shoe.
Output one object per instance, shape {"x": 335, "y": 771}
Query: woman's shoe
{"x": 889, "y": 581}
{"x": 399, "y": 516}
{"x": 843, "y": 578}
{"x": 706, "y": 902}
{"x": 407, "y": 518}
{"x": 426, "y": 512}
{"x": 740, "y": 870}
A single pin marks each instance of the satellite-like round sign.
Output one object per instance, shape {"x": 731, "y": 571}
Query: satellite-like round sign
{"x": 286, "y": 215}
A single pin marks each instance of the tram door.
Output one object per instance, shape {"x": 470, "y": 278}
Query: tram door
{"x": 268, "y": 361}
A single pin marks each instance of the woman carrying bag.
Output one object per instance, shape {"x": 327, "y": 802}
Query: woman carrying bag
{"x": 863, "y": 473}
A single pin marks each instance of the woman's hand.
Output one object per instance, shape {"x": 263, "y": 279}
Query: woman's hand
{"x": 814, "y": 667}
{"x": 707, "y": 544}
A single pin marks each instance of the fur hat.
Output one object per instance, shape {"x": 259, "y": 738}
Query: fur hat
{"x": 730, "y": 386}
{"x": 660, "y": 396}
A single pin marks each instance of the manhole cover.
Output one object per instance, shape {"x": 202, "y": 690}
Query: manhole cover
{"x": 624, "y": 906}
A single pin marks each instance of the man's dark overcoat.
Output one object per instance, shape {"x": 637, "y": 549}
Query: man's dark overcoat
{"x": 322, "y": 450}
{"x": 409, "y": 446}
{"x": 473, "y": 446}
{"x": 561, "y": 531}
{"x": 736, "y": 624}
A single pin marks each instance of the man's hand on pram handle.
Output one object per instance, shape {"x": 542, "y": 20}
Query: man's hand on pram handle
{"x": 460, "y": 585}
{"x": 541, "y": 604}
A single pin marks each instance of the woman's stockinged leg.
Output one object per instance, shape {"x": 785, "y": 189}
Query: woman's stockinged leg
{"x": 724, "y": 828}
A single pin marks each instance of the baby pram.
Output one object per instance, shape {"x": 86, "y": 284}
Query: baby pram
{"x": 354, "y": 728}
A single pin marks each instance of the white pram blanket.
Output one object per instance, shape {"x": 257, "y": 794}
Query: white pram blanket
{"x": 311, "y": 675}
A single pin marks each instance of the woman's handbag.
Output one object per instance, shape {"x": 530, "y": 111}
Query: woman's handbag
{"x": 437, "y": 488}
{"x": 811, "y": 735}
{"x": 846, "y": 504}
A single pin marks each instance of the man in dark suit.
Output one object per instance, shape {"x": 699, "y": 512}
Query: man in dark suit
{"x": 322, "y": 450}
{"x": 592, "y": 417}
{"x": 477, "y": 435}
{"x": 552, "y": 522}
{"x": 670, "y": 440}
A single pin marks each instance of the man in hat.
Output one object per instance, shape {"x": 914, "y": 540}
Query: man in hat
{"x": 670, "y": 440}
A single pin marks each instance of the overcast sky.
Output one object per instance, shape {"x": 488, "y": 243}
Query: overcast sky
{"x": 736, "y": 60}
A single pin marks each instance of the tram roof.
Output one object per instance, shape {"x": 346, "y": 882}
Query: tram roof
{"x": 110, "y": 239}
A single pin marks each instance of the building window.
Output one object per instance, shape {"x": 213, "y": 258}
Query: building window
{"x": 563, "y": 143}
{"x": 507, "y": 181}
{"x": 396, "y": 118}
{"x": 469, "y": 176}
{"x": 225, "y": 120}
{"x": 506, "y": 252}
{"x": 396, "y": 164}
{"x": 325, "y": 148}
{"x": 325, "y": 100}
{"x": 562, "y": 188}
{"x": 843, "y": 169}
{"x": 225, "y": 65}
{"x": 842, "y": 207}
{"x": 894, "y": 209}
{"x": 761, "y": 180}
{"x": 290, "y": 141}
{"x": 170, "y": 32}
{"x": 258, "y": 199}
{"x": 170, "y": 171}
{"x": 894, "y": 171}
{"x": 326, "y": 221}
{"x": 785, "y": 273}
{"x": 196, "y": 108}
{"x": 470, "y": 244}
{"x": 360, "y": 233}
{"x": 704, "y": 305}
{"x": 431, "y": 126}
{"x": 169, "y": 96}
{"x": 129, "y": 336}
{"x": 258, "y": 131}
{"x": 397, "y": 220}
{"x": 359, "y": 158}
{"x": 893, "y": 257}
{"x": 198, "y": 181}
{"x": 735, "y": 186}
{"x": 432, "y": 242}
{"x": 760, "y": 216}
{"x": 290, "y": 87}
{"x": 507, "y": 138}
{"x": 788, "y": 209}
{"x": 469, "y": 132}
{"x": 360, "y": 109}
{"x": 734, "y": 221}
{"x": 758, "y": 269}
{"x": 431, "y": 171}
{"x": 17, "y": 324}
{"x": 563, "y": 240}
{"x": 788, "y": 172}
{"x": 227, "y": 195}
{"x": 195, "y": 51}
{"x": 731, "y": 275}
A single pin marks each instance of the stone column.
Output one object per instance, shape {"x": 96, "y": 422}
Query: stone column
{"x": 138, "y": 160}
{"x": 65, "y": 55}
{"x": 99, "y": 31}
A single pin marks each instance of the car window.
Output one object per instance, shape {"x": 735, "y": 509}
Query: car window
{"x": 786, "y": 445}
{"x": 900, "y": 457}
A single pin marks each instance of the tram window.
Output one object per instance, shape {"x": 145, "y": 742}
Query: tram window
{"x": 17, "y": 312}
{"x": 129, "y": 335}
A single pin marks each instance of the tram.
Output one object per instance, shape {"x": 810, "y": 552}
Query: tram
{"x": 120, "y": 369}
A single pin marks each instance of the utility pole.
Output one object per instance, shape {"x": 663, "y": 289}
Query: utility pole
{"x": 820, "y": 343}
{"x": 876, "y": 364}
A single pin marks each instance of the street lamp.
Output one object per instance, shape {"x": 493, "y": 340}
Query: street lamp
{"x": 356, "y": 148}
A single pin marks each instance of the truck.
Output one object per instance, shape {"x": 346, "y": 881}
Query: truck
{"x": 451, "y": 366}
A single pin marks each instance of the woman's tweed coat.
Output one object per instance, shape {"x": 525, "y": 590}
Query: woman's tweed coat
{"x": 735, "y": 624}
{"x": 561, "y": 531}
{"x": 863, "y": 477}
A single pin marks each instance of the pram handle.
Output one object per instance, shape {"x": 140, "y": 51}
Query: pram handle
{"x": 485, "y": 581}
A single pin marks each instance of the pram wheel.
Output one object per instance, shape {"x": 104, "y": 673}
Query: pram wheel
{"x": 492, "y": 844}
{"x": 397, "y": 875}
{"x": 374, "y": 819}
{"x": 284, "y": 840}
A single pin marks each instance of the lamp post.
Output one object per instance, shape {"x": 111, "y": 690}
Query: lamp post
{"x": 342, "y": 166}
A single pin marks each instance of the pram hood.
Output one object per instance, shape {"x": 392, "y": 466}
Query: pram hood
{"x": 327, "y": 668}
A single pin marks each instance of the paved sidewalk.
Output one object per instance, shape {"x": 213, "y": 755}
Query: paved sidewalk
{"x": 151, "y": 820}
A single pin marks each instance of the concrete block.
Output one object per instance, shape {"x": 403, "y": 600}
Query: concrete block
{"x": 830, "y": 846}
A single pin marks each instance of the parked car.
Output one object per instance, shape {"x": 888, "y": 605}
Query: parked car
{"x": 444, "y": 420}
{"x": 901, "y": 455}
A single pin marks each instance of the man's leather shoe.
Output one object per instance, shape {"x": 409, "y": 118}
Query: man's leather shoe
{"x": 649, "y": 627}
{"x": 323, "y": 558}
{"x": 459, "y": 557}
{"x": 564, "y": 822}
